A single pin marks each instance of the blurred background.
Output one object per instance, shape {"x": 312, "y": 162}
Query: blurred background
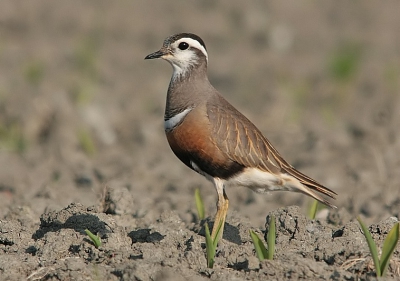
{"x": 80, "y": 109}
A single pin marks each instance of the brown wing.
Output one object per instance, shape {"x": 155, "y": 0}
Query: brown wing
{"x": 240, "y": 140}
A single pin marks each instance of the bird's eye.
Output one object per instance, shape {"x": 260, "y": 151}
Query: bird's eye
{"x": 183, "y": 46}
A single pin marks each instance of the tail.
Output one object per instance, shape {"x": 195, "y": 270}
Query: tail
{"x": 304, "y": 184}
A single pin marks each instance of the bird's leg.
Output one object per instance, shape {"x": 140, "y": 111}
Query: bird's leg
{"x": 222, "y": 209}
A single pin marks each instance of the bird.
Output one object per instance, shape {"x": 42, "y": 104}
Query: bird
{"x": 211, "y": 137}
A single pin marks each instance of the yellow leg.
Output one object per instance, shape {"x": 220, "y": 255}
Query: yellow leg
{"x": 222, "y": 209}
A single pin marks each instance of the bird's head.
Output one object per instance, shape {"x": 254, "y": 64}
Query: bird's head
{"x": 184, "y": 51}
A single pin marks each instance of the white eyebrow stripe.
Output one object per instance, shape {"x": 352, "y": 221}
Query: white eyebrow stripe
{"x": 194, "y": 43}
{"x": 172, "y": 122}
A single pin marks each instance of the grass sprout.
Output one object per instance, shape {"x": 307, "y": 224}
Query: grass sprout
{"x": 211, "y": 244}
{"x": 95, "y": 239}
{"x": 86, "y": 142}
{"x": 199, "y": 204}
{"x": 344, "y": 62}
{"x": 312, "y": 212}
{"x": 261, "y": 252}
{"x": 271, "y": 238}
{"x": 389, "y": 245}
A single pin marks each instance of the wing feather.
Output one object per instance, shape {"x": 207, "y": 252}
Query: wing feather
{"x": 240, "y": 140}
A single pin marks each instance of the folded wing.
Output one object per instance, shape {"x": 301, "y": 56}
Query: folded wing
{"x": 241, "y": 141}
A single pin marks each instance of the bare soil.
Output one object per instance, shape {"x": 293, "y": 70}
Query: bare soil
{"x": 82, "y": 143}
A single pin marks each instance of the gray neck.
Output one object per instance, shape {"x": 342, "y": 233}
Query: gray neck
{"x": 188, "y": 91}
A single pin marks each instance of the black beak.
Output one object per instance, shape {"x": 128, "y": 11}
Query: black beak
{"x": 155, "y": 55}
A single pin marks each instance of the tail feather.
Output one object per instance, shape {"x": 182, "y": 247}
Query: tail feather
{"x": 311, "y": 183}
{"x": 308, "y": 187}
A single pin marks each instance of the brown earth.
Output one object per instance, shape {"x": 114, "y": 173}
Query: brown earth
{"x": 82, "y": 142}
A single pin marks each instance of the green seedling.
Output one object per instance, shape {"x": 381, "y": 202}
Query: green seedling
{"x": 261, "y": 252}
{"x": 199, "y": 204}
{"x": 82, "y": 93}
{"x": 211, "y": 245}
{"x": 344, "y": 62}
{"x": 95, "y": 239}
{"x": 389, "y": 245}
{"x": 312, "y": 212}
{"x": 271, "y": 238}
{"x": 86, "y": 142}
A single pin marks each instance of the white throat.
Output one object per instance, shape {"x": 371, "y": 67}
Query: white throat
{"x": 180, "y": 70}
